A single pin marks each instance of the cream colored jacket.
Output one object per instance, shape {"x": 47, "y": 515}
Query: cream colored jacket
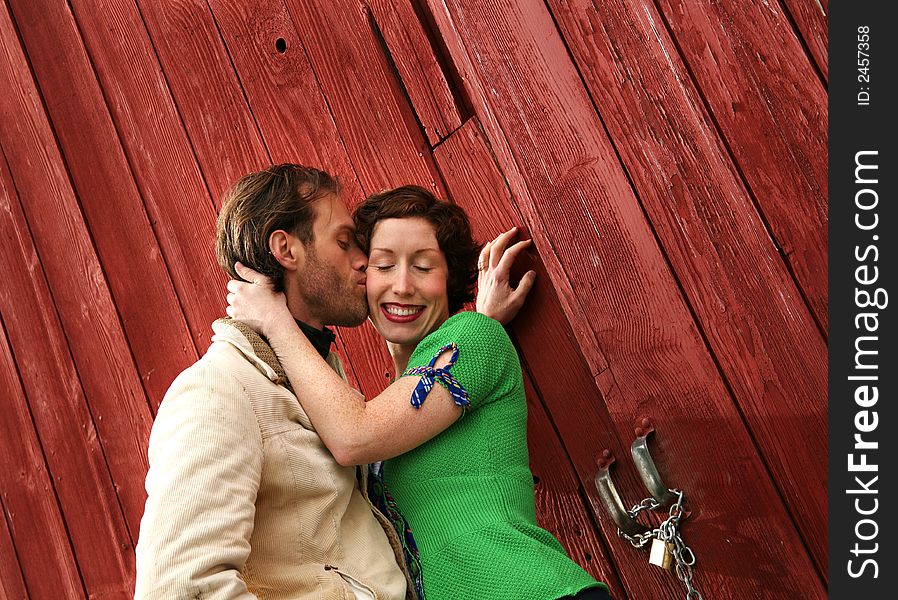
{"x": 245, "y": 501}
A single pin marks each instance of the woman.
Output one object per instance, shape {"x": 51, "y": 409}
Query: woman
{"x": 452, "y": 427}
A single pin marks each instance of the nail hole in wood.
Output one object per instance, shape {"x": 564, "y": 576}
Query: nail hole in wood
{"x": 281, "y": 45}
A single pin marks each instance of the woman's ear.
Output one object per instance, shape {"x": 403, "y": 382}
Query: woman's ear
{"x": 287, "y": 249}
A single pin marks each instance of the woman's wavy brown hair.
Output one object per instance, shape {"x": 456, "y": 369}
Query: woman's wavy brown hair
{"x": 450, "y": 223}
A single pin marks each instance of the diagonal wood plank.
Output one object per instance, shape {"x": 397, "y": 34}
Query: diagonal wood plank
{"x": 63, "y": 430}
{"x": 42, "y": 556}
{"x": 75, "y": 295}
{"x": 109, "y": 198}
{"x": 560, "y": 505}
{"x": 206, "y": 91}
{"x": 812, "y": 19}
{"x": 12, "y": 586}
{"x": 772, "y": 111}
{"x": 369, "y": 107}
{"x": 166, "y": 172}
{"x": 565, "y": 178}
{"x": 755, "y": 319}
{"x": 419, "y": 68}
{"x": 565, "y": 293}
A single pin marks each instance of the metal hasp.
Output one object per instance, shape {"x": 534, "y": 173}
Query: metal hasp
{"x": 611, "y": 500}
{"x": 646, "y": 466}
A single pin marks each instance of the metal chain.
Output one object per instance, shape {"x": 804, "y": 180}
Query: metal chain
{"x": 669, "y": 533}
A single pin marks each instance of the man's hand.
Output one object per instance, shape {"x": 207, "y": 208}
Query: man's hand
{"x": 256, "y": 303}
{"x": 495, "y": 296}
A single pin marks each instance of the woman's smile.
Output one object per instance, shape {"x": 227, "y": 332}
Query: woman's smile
{"x": 401, "y": 313}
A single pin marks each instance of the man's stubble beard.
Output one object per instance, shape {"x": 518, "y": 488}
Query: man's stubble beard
{"x": 334, "y": 300}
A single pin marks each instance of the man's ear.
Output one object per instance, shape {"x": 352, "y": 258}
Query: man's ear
{"x": 287, "y": 249}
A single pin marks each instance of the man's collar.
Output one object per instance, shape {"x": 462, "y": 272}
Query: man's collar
{"x": 321, "y": 339}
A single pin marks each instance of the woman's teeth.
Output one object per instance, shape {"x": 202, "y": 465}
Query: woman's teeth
{"x": 402, "y": 312}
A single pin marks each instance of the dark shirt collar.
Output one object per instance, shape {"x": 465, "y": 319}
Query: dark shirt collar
{"x": 321, "y": 339}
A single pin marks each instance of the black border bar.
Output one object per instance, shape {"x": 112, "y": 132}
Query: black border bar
{"x": 863, "y": 226}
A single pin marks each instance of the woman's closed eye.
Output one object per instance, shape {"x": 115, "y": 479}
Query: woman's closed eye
{"x": 383, "y": 267}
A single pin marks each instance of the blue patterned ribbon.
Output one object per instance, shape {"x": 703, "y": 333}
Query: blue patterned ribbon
{"x": 429, "y": 375}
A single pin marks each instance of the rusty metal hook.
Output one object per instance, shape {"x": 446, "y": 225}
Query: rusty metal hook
{"x": 611, "y": 499}
{"x": 646, "y": 468}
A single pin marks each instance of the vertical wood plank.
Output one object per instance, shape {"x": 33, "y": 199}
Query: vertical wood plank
{"x": 296, "y": 124}
{"x": 369, "y": 107}
{"x": 567, "y": 183}
{"x": 755, "y": 319}
{"x": 166, "y": 172}
{"x": 281, "y": 88}
{"x": 296, "y": 120}
{"x": 772, "y": 110}
{"x": 75, "y": 295}
{"x": 213, "y": 101}
{"x": 243, "y": 106}
{"x": 209, "y": 94}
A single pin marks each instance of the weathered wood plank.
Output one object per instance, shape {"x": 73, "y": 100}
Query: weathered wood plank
{"x": 109, "y": 199}
{"x": 79, "y": 299}
{"x": 165, "y": 169}
{"x": 30, "y": 513}
{"x": 272, "y": 57}
{"x": 78, "y": 472}
{"x": 12, "y": 586}
{"x": 281, "y": 89}
{"x": 571, "y": 189}
{"x": 812, "y": 19}
{"x": 206, "y": 91}
{"x": 476, "y": 184}
{"x": 419, "y": 69}
{"x": 772, "y": 110}
{"x": 370, "y": 110}
{"x": 755, "y": 319}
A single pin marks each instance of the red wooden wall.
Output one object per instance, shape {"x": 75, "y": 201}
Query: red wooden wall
{"x": 668, "y": 158}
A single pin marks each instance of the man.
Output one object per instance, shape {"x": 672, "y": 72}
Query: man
{"x": 244, "y": 500}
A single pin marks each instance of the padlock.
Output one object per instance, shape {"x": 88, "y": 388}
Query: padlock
{"x": 660, "y": 554}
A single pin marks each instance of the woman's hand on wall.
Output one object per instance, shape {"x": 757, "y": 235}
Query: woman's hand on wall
{"x": 495, "y": 296}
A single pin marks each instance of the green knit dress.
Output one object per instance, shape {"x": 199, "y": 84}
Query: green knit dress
{"x": 468, "y": 492}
